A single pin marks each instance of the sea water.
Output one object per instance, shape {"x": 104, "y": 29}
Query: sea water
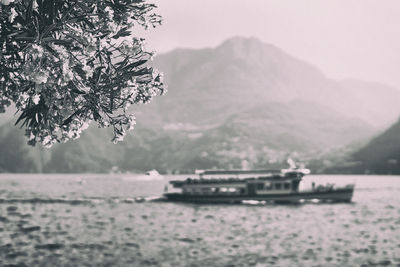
{"x": 94, "y": 220}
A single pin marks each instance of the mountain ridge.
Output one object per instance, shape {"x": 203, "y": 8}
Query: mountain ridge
{"x": 282, "y": 78}
{"x": 242, "y": 101}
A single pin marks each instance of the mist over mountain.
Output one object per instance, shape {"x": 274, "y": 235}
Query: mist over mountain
{"x": 243, "y": 103}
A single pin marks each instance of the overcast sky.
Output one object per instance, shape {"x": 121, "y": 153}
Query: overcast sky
{"x": 344, "y": 38}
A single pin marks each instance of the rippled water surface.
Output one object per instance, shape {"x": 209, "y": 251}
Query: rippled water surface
{"x": 93, "y": 220}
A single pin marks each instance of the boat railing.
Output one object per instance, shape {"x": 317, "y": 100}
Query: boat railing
{"x": 236, "y": 172}
{"x": 247, "y": 174}
{"x": 330, "y": 187}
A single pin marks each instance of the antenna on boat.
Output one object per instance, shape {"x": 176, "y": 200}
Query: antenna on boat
{"x": 293, "y": 167}
{"x": 291, "y": 163}
{"x": 199, "y": 172}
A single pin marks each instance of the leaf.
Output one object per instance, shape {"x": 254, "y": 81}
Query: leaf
{"x": 77, "y": 91}
{"x": 78, "y": 69}
{"x": 68, "y": 120}
{"x": 16, "y": 33}
{"x": 96, "y": 115}
{"x": 29, "y": 11}
{"x": 136, "y": 64}
{"x": 90, "y": 24}
{"x": 63, "y": 42}
{"x": 140, "y": 72}
{"x": 122, "y": 33}
{"x": 25, "y": 38}
{"x": 21, "y": 117}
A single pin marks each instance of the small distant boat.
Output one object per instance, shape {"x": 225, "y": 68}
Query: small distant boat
{"x": 238, "y": 186}
{"x": 151, "y": 175}
{"x": 80, "y": 180}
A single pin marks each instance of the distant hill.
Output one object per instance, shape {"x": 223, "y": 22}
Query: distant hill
{"x": 7, "y": 116}
{"x": 16, "y": 155}
{"x": 243, "y": 103}
{"x": 382, "y": 154}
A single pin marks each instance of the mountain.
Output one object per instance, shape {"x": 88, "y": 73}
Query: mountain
{"x": 208, "y": 85}
{"x": 15, "y": 155}
{"x": 243, "y": 103}
{"x": 7, "y": 116}
{"x": 382, "y": 154}
{"x": 305, "y": 125}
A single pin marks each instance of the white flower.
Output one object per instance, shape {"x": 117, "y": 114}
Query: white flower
{"x": 36, "y": 99}
{"x": 88, "y": 70}
{"x": 109, "y": 12}
{"x": 48, "y": 141}
{"x": 40, "y": 77}
{"x": 113, "y": 27}
{"x": 37, "y": 50}
{"x": 35, "y": 5}
{"x": 67, "y": 73}
{"x": 6, "y": 2}
{"x": 85, "y": 125}
{"x": 70, "y": 134}
{"x": 22, "y": 100}
{"x": 13, "y": 15}
{"x": 104, "y": 123}
{"x": 131, "y": 122}
{"x": 31, "y": 136}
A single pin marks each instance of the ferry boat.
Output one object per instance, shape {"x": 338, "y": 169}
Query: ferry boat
{"x": 237, "y": 186}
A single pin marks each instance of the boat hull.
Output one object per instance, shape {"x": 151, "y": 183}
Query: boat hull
{"x": 337, "y": 195}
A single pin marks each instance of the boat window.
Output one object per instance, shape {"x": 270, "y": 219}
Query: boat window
{"x": 206, "y": 190}
{"x": 224, "y": 189}
{"x": 260, "y": 186}
{"x": 286, "y": 185}
{"x": 232, "y": 189}
{"x": 242, "y": 191}
{"x": 268, "y": 186}
{"x": 278, "y": 186}
{"x": 188, "y": 191}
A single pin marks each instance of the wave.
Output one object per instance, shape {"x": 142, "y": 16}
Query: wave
{"x": 83, "y": 201}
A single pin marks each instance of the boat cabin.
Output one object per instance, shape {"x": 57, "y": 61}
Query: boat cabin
{"x": 250, "y": 183}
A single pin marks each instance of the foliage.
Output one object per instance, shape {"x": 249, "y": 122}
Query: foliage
{"x": 67, "y": 63}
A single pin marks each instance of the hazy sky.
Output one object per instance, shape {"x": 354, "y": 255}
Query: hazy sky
{"x": 344, "y": 38}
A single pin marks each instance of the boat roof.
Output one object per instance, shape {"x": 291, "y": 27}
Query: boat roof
{"x": 178, "y": 183}
{"x": 214, "y": 172}
{"x": 233, "y": 176}
{"x": 259, "y": 172}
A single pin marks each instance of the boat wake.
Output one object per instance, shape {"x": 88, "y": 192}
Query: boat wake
{"x": 79, "y": 201}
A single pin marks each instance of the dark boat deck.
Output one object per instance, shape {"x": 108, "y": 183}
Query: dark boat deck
{"x": 334, "y": 195}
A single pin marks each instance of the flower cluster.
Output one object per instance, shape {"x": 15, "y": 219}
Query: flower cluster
{"x": 67, "y": 63}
